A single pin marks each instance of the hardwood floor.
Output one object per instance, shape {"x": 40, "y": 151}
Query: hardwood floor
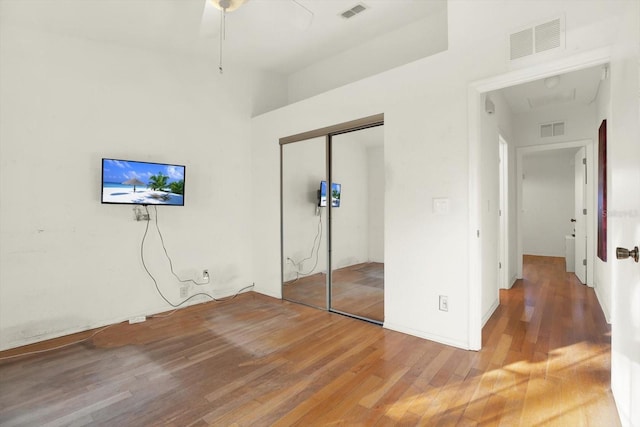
{"x": 257, "y": 361}
{"x": 357, "y": 289}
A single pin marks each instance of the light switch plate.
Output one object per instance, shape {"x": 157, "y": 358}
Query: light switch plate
{"x": 441, "y": 206}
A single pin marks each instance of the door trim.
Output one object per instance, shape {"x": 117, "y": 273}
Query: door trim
{"x": 350, "y": 126}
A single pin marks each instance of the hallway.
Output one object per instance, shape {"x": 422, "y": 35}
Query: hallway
{"x": 550, "y": 347}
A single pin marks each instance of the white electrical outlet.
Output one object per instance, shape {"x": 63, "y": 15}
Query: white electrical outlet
{"x": 184, "y": 291}
{"x": 205, "y": 275}
{"x": 444, "y": 303}
{"x": 137, "y": 319}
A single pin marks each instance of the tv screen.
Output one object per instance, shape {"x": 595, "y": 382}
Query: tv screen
{"x": 142, "y": 183}
{"x": 336, "y": 190}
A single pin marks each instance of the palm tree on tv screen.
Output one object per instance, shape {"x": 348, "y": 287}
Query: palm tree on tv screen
{"x": 177, "y": 187}
{"x": 158, "y": 182}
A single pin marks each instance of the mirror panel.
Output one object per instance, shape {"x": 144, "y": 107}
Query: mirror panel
{"x": 304, "y": 230}
{"x": 357, "y": 224}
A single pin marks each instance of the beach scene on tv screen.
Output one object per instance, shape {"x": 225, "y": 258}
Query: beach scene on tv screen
{"x": 142, "y": 183}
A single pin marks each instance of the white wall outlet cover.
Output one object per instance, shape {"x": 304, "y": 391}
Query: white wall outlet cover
{"x": 441, "y": 206}
{"x": 137, "y": 319}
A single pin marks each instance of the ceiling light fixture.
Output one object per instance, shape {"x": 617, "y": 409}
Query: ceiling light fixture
{"x": 551, "y": 82}
{"x": 225, "y": 6}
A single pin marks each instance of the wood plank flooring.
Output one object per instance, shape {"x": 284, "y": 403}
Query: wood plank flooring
{"x": 256, "y": 361}
{"x": 357, "y": 289}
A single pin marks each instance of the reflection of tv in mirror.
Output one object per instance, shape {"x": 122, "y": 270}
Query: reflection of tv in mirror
{"x": 142, "y": 183}
{"x": 336, "y": 190}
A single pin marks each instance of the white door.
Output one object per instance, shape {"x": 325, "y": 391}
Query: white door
{"x": 580, "y": 215}
{"x": 623, "y": 216}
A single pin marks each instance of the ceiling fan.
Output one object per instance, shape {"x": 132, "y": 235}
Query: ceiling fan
{"x": 227, "y": 5}
{"x": 301, "y": 18}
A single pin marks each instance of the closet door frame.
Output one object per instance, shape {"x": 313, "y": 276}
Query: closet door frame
{"x": 326, "y": 132}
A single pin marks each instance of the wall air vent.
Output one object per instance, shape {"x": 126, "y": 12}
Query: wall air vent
{"x": 551, "y": 129}
{"x": 548, "y": 35}
{"x": 534, "y": 39}
{"x": 350, "y": 13}
{"x": 521, "y": 43}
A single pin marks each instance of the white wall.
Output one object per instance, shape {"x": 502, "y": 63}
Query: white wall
{"x": 504, "y": 123}
{"x": 490, "y": 205}
{"x": 417, "y": 40}
{"x": 425, "y": 107}
{"x": 602, "y": 282}
{"x": 547, "y": 202}
{"x": 69, "y": 263}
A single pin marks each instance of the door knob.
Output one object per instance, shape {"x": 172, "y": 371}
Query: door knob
{"x": 622, "y": 253}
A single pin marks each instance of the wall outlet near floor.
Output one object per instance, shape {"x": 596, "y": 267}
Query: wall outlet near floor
{"x": 205, "y": 275}
{"x": 184, "y": 291}
{"x": 444, "y": 303}
{"x": 137, "y": 319}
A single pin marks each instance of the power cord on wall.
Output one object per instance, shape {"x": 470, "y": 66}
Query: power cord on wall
{"x": 167, "y": 254}
{"x": 155, "y": 282}
{"x": 316, "y": 242}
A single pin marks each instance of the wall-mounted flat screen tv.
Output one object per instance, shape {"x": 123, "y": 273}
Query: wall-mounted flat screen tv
{"x": 142, "y": 183}
{"x": 336, "y": 190}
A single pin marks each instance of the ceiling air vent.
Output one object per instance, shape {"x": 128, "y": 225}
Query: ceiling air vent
{"x": 350, "y": 13}
{"x": 536, "y": 38}
{"x": 551, "y": 129}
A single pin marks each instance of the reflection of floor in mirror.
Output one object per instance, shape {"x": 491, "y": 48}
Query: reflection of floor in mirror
{"x": 357, "y": 289}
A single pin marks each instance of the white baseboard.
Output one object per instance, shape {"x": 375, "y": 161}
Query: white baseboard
{"x": 427, "y": 336}
{"x": 19, "y": 339}
{"x": 603, "y": 306}
{"x": 490, "y": 312}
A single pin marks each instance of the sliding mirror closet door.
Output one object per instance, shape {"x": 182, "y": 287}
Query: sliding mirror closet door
{"x": 304, "y": 223}
{"x": 357, "y": 223}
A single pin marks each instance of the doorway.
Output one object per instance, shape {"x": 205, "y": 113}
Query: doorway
{"x": 332, "y": 218}
{"x": 568, "y": 214}
{"x": 477, "y": 92}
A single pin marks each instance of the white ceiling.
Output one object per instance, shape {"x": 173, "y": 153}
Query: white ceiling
{"x": 575, "y": 88}
{"x": 263, "y": 34}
